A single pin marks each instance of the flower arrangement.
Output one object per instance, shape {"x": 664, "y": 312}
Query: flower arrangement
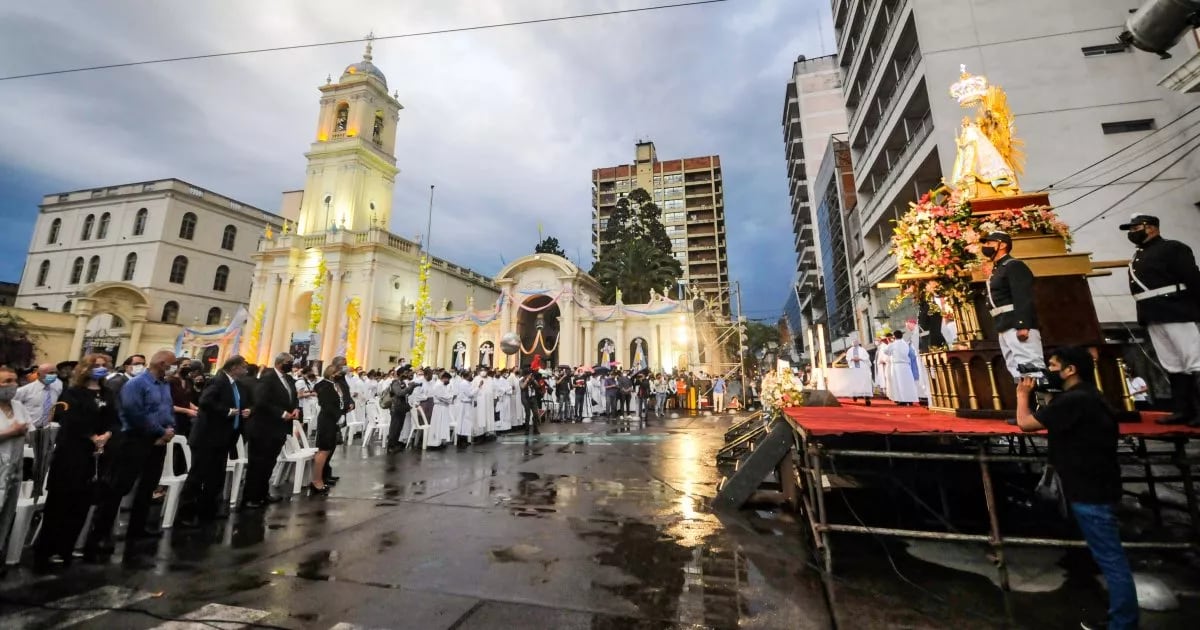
{"x": 353, "y": 314}
{"x": 781, "y": 389}
{"x": 420, "y": 310}
{"x": 318, "y": 299}
{"x": 938, "y": 240}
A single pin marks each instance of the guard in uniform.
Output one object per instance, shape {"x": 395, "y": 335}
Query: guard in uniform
{"x": 1010, "y": 296}
{"x": 1165, "y": 283}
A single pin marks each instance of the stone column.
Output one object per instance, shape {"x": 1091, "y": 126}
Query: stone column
{"x": 135, "y": 336}
{"x": 268, "y": 332}
{"x": 366, "y": 326}
{"x": 655, "y": 359}
{"x": 83, "y": 312}
{"x": 330, "y": 317}
{"x": 622, "y": 355}
{"x": 566, "y": 332}
{"x": 589, "y": 345}
{"x": 473, "y": 347}
{"x": 280, "y": 338}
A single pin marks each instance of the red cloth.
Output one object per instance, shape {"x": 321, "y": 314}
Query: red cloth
{"x": 887, "y": 418}
{"x": 537, "y": 363}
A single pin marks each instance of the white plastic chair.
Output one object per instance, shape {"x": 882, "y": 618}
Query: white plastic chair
{"x": 375, "y": 427}
{"x": 27, "y": 506}
{"x": 235, "y": 471}
{"x": 173, "y": 482}
{"x": 356, "y": 421}
{"x": 297, "y": 452}
{"x": 420, "y": 423}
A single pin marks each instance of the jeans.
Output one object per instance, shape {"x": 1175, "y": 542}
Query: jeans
{"x": 660, "y": 403}
{"x": 579, "y": 396}
{"x": 1099, "y": 527}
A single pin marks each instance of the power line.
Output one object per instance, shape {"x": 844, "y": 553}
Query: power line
{"x": 1120, "y": 177}
{"x": 1135, "y": 190}
{"x": 444, "y": 31}
{"x": 1140, "y": 153}
{"x": 1124, "y": 148}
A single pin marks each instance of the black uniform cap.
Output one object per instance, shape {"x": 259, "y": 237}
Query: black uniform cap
{"x": 1002, "y": 237}
{"x": 1140, "y": 219}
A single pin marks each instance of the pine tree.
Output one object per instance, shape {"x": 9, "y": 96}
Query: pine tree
{"x": 636, "y": 255}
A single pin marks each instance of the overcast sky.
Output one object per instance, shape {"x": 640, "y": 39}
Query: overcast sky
{"x": 507, "y": 123}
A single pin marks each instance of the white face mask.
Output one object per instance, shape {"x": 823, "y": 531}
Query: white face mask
{"x": 172, "y": 369}
{"x": 137, "y": 369}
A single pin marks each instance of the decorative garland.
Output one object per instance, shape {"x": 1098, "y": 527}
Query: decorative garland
{"x": 353, "y": 314}
{"x": 420, "y": 311}
{"x": 256, "y": 326}
{"x": 318, "y": 299}
{"x": 232, "y": 330}
{"x": 483, "y": 318}
{"x": 534, "y": 345}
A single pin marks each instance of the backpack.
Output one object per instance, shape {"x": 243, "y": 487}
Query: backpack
{"x": 385, "y": 399}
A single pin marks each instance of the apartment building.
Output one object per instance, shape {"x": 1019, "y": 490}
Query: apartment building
{"x": 690, "y": 193}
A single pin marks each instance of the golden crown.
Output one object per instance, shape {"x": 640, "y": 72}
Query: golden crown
{"x": 969, "y": 89}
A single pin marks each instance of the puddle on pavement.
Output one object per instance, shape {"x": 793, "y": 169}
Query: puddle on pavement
{"x": 318, "y": 565}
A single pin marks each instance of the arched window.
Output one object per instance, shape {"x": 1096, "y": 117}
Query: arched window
{"x": 116, "y": 322}
{"x": 229, "y": 237}
{"x": 130, "y": 267}
{"x": 170, "y": 312}
{"x": 93, "y": 269}
{"x": 179, "y": 270}
{"x": 214, "y": 316}
{"x": 139, "y": 222}
{"x": 342, "y": 119}
{"x": 102, "y": 231}
{"x": 55, "y": 228}
{"x": 88, "y": 224}
{"x": 43, "y": 273}
{"x": 187, "y": 227}
{"x": 377, "y": 129}
{"x": 221, "y": 278}
{"x": 77, "y": 270}
{"x": 67, "y": 306}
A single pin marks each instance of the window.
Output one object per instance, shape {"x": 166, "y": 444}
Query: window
{"x": 179, "y": 269}
{"x": 77, "y": 270}
{"x": 229, "y": 237}
{"x": 102, "y": 231}
{"x": 67, "y": 306}
{"x": 221, "y": 278}
{"x": 43, "y": 273}
{"x": 130, "y": 267}
{"x": 677, "y": 178}
{"x": 187, "y": 227}
{"x": 673, "y": 217}
{"x": 1105, "y": 49}
{"x": 674, "y": 191}
{"x": 1127, "y": 126}
{"x": 672, "y": 204}
{"x": 214, "y": 316}
{"x": 603, "y": 224}
{"x": 93, "y": 269}
{"x": 170, "y": 312}
{"x": 657, "y": 181}
{"x": 341, "y": 119}
{"x": 678, "y": 243}
{"x": 55, "y": 228}
{"x": 88, "y": 224}
{"x": 139, "y": 223}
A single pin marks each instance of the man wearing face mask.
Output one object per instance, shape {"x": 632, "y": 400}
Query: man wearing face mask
{"x": 222, "y": 412}
{"x": 39, "y": 396}
{"x": 133, "y": 366}
{"x": 138, "y": 451}
{"x": 276, "y": 407}
{"x": 1165, "y": 283}
{"x": 1083, "y": 434}
{"x": 400, "y": 389}
{"x": 1010, "y": 296}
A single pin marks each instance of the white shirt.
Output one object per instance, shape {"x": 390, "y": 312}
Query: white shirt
{"x": 859, "y": 354}
{"x": 32, "y": 397}
{"x": 1137, "y": 383}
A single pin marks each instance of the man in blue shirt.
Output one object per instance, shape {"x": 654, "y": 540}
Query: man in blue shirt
{"x": 136, "y": 454}
{"x": 719, "y": 395}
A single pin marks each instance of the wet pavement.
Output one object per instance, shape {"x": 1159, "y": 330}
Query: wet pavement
{"x": 589, "y": 526}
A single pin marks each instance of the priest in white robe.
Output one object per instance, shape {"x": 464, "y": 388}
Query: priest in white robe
{"x": 859, "y": 362}
{"x": 464, "y": 406}
{"x": 595, "y": 394}
{"x": 485, "y": 403}
{"x": 882, "y": 373}
{"x": 503, "y": 392}
{"x": 902, "y": 385}
{"x": 443, "y": 418}
{"x": 515, "y": 402}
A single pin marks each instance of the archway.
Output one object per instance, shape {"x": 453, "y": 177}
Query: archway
{"x": 487, "y": 351}
{"x": 606, "y": 352}
{"x": 639, "y": 357}
{"x": 537, "y": 325}
{"x": 104, "y": 334}
{"x": 458, "y": 355}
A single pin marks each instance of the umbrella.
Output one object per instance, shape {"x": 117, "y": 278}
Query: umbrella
{"x": 601, "y": 369}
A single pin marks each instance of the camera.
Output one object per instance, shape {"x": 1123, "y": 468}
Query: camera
{"x": 1038, "y": 374}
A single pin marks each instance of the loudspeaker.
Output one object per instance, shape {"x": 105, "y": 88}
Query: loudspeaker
{"x": 821, "y": 398}
{"x": 762, "y": 461}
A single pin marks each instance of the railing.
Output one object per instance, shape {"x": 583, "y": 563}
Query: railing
{"x": 316, "y": 240}
{"x": 857, "y": 61}
{"x": 843, "y": 47}
{"x": 896, "y": 7}
{"x": 885, "y": 109}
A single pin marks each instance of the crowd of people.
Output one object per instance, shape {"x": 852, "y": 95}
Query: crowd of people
{"x": 100, "y": 434}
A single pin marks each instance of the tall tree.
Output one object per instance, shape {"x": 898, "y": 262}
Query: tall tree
{"x": 549, "y": 245}
{"x": 16, "y": 348}
{"x": 636, "y": 255}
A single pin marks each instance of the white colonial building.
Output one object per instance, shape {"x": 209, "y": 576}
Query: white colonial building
{"x": 185, "y": 250}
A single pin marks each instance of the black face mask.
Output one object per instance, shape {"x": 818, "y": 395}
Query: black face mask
{"x": 988, "y": 252}
{"x": 1137, "y": 238}
{"x": 285, "y": 368}
{"x": 1054, "y": 380}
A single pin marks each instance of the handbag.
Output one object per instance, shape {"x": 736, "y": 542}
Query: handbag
{"x": 1049, "y": 490}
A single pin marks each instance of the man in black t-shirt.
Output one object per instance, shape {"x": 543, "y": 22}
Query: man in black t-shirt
{"x": 1083, "y": 438}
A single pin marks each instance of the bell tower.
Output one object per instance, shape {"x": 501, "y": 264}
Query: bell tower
{"x": 352, "y": 164}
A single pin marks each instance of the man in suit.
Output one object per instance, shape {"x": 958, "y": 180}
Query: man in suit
{"x": 276, "y": 406}
{"x": 223, "y": 411}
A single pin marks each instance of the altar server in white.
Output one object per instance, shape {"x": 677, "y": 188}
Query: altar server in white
{"x": 485, "y": 402}
{"x": 859, "y": 362}
{"x": 443, "y": 417}
{"x": 902, "y": 386}
{"x": 882, "y": 373}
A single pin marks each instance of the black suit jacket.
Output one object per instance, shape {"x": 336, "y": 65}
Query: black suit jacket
{"x": 1012, "y": 283}
{"x": 213, "y": 425}
{"x": 273, "y": 398}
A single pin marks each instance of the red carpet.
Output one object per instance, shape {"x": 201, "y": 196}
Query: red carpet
{"x": 887, "y": 418}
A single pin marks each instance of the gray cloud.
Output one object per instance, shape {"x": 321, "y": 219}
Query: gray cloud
{"x": 508, "y": 123}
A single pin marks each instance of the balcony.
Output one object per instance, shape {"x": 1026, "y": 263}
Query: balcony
{"x": 852, "y": 32}
{"x": 839, "y": 11}
{"x": 914, "y": 142}
{"x": 887, "y": 110}
{"x": 869, "y": 44}
{"x": 795, "y": 149}
{"x": 797, "y": 169}
{"x": 880, "y": 264}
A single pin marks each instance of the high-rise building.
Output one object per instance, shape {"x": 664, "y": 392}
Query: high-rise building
{"x": 690, "y": 193}
{"x": 188, "y": 248}
{"x": 835, "y": 197}
{"x": 813, "y": 114}
{"x": 1078, "y": 94}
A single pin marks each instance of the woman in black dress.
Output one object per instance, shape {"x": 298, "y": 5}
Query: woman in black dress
{"x": 333, "y": 405}
{"x": 85, "y": 425}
